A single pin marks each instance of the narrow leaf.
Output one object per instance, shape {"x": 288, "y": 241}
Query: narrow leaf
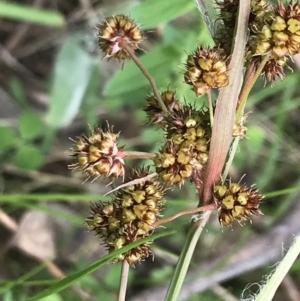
{"x": 21, "y": 12}
{"x": 268, "y": 291}
{"x": 64, "y": 283}
{"x": 71, "y": 77}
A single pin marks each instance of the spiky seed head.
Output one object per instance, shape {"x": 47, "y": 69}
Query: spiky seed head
{"x": 206, "y": 69}
{"x": 114, "y": 32}
{"x": 130, "y": 216}
{"x": 98, "y": 154}
{"x": 237, "y": 202}
{"x": 153, "y": 110}
{"x": 274, "y": 30}
{"x": 186, "y": 149}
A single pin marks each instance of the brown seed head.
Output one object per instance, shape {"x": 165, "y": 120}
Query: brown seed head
{"x": 98, "y": 154}
{"x": 114, "y": 32}
{"x": 186, "y": 149}
{"x": 130, "y": 216}
{"x": 205, "y": 69}
{"x": 153, "y": 110}
{"x": 237, "y": 202}
{"x": 274, "y": 30}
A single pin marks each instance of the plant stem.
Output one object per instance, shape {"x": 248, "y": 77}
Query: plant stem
{"x": 220, "y": 144}
{"x": 138, "y": 155}
{"x": 147, "y": 75}
{"x": 251, "y": 78}
{"x": 232, "y": 152}
{"x": 123, "y": 281}
{"x": 269, "y": 289}
{"x": 226, "y": 107}
{"x": 210, "y": 107}
{"x": 184, "y": 212}
{"x": 185, "y": 257}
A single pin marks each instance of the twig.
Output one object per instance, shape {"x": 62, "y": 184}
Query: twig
{"x": 8, "y": 222}
{"x": 133, "y": 182}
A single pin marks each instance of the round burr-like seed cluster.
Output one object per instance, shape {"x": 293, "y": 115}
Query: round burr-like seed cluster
{"x": 114, "y": 32}
{"x": 237, "y": 202}
{"x": 99, "y": 154}
{"x": 130, "y": 216}
{"x": 206, "y": 69}
{"x": 153, "y": 110}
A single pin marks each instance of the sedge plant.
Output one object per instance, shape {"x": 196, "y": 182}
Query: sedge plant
{"x": 253, "y": 39}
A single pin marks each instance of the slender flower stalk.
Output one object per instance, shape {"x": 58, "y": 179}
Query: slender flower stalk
{"x": 147, "y": 75}
{"x": 123, "y": 281}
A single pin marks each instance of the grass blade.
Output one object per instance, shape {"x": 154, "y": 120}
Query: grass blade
{"x": 31, "y": 14}
{"x": 64, "y": 283}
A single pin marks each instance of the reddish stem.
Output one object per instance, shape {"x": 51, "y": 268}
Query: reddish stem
{"x": 226, "y": 107}
{"x": 184, "y": 212}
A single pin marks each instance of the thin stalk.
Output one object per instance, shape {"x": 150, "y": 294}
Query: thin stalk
{"x": 232, "y": 152}
{"x": 184, "y": 212}
{"x": 210, "y": 107}
{"x": 137, "y": 155}
{"x": 147, "y": 75}
{"x": 123, "y": 281}
{"x": 185, "y": 257}
{"x": 248, "y": 86}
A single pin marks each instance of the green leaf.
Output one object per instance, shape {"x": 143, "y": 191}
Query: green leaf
{"x": 30, "y": 125}
{"x": 8, "y": 296}
{"x": 27, "y": 13}
{"x": 28, "y": 157}
{"x": 269, "y": 289}
{"x": 64, "y": 283}
{"x": 147, "y": 12}
{"x": 8, "y": 138}
{"x": 71, "y": 77}
{"x": 18, "y": 93}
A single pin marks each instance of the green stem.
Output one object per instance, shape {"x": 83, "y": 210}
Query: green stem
{"x": 147, "y": 75}
{"x": 185, "y": 257}
{"x": 210, "y": 107}
{"x": 232, "y": 152}
{"x": 247, "y": 88}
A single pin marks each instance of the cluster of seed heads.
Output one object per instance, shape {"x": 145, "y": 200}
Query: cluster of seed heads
{"x": 274, "y": 30}
{"x": 206, "y": 69}
{"x": 185, "y": 151}
{"x": 129, "y": 216}
{"x": 135, "y": 208}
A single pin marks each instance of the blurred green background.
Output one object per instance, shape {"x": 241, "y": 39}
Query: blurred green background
{"x": 54, "y": 83}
